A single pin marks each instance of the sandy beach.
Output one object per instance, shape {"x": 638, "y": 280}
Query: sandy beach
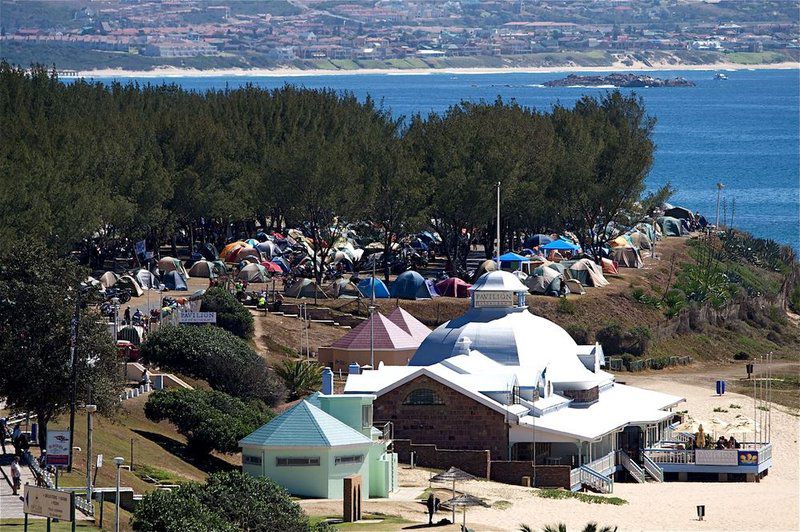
{"x": 771, "y": 504}
{"x": 167, "y": 72}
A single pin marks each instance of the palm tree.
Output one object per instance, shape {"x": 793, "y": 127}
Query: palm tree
{"x": 300, "y": 377}
{"x": 561, "y": 527}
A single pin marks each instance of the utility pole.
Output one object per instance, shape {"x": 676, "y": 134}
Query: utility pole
{"x": 498, "y": 225}
{"x": 372, "y": 321}
{"x": 73, "y": 371}
{"x": 90, "y": 409}
{"x": 720, "y": 186}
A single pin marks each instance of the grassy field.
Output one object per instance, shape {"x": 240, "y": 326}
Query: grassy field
{"x": 376, "y": 522}
{"x": 40, "y": 525}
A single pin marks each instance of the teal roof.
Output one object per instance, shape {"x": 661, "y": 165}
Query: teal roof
{"x": 305, "y": 425}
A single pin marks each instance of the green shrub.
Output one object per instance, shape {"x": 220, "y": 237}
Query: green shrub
{"x": 565, "y": 306}
{"x": 210, "y": 420}
{"x": 299, "y": 377}
{"x": 231, "y": 314}
{"x": 578, "y": 333}
{"x": 226, "y": 361}
{"x": 615, "y": 340}
{"x": 674, "y": 301}
{"x": 638, "y": 340}
{"x": 794, "y": 299}
{"x": 611, "y": 338}
{"x": 228, "y": 501}
{"x": 741, "y": 355}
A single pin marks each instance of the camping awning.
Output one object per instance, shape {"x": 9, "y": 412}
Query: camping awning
{"x": 513, "y": 257}
{"x": 560, "y": 245}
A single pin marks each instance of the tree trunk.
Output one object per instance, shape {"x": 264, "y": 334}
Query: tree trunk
{"x": 42, "y": 420}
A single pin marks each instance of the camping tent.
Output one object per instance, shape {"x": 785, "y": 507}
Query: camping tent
{"x": 640, "y": 240}
{"x": 253, "y": 273}
{"x": 344, "y": 288}
{"x": 230, "y": 248}
{"x": 609, "y": 267}
{"x": 268, "y": 248}
{"x": 587, "y": 272}
{"x": 670, "y": 226}
{"x": 305, "y": 288}
{"x": 622, "y": 241}
{"x": 173, "y": 281}
{"x": 365, "y": 287}
{"x": 627, "y": 257}
{"x": 410, "y": 285}
{"x": 129, "y": 283}
{"x": 520, "y": 275}
{"x": 512, "y": 261}
{"x": 203, "y": 268}
{"x": 220, "y": 267}
{"x": 108, "y": 279}
{"x": 271, "y": 267}
{"x": 679, "y": 212}
{"x": 453, "y": 287}
{"x": 146, "y": 279}
{"x": 546, "y": 281}
{"x": 242, "y": 253}
{"x": 537, "y": 240}
{"x": 486, "y": 266}
{"x": 208, "y": 251}
{"x": 169, "y": 264}
{"x": 281, "y": 262}
{"x": 574, "y": 286}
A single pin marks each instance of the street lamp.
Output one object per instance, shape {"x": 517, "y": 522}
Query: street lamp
{"x": 90, "y": 409}
{"x": 720, "y": 186}
{"x": 118, "y": 461}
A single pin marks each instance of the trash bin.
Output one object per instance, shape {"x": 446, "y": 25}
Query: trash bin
{"x": 720, "y": 387}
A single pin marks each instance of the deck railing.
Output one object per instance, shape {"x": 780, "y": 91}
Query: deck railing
{"x": 604, "y": 463}
{"x": 575, "y": 478}
{"x": 652, "y": 468}
{"x": 670, "y": 456}
{"x": 631, "y": 467}
{"x": 596, "y": 481}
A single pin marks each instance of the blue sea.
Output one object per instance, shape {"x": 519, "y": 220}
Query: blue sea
{"x": 743, "y": 131}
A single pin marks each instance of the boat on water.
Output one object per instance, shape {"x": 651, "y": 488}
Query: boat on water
{"x": 720, "y": 75}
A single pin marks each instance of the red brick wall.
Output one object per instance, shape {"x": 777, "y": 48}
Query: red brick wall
{"x": 428, "y": 455}
{"x": 460, "y": 423}
{"x": 547, "y": 476}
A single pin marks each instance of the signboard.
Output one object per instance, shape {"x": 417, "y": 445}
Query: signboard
{"x": 197, "y": 317}
{"x": 492, "y": 299}
{"x": 58, "y": 446}
{"x": 99, "y": 463}
{"x": 48, "y": 503}
{"x": 748, "y": 458}
{"x": 723, "y": 457}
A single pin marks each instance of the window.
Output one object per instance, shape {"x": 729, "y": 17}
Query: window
{"x": 299, "y": 461}
{"x": 366, "y": 416}
{"x": 251, "y": 460}
{"x": 423, "y": 396}
{"x": 354, "y": 459}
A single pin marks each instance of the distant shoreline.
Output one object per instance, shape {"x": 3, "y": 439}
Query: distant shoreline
{"x": 175, "y": 72}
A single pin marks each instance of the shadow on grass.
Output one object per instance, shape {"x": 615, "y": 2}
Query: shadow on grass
{"x": 207, "y": 464}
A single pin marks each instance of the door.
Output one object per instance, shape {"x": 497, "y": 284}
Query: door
{"x": 631, "y": 441}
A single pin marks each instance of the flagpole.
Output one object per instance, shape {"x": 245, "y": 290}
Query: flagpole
{"x": 498, "y": 225}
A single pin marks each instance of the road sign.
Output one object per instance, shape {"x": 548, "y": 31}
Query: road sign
{"x": 48, "y": 503}
{"x": 58, "y": 445}
{"x": 197, "y": 317}
{"x": 99, "y": 463}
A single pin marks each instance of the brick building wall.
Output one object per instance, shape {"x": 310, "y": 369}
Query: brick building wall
{"x": 591, "y": 395}
{"x": 428, "y": 455}
{"x": 547, "y": 476}
{"x": 458, "y": 422}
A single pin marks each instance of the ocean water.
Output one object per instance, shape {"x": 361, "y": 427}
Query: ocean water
{"x": 743, "y": 131}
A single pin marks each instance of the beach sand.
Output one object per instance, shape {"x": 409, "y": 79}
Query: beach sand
{"x": 771, "y": 504}
{"x": 168, "y": 71}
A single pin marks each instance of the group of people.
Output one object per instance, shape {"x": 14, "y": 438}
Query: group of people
{"x": 21, "y": 445}
{"x": 727, "y": 443}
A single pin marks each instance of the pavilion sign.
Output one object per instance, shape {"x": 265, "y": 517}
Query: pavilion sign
{"x": 484, "y": 299}
{"x": 722, "y": 457}
{"x": 197, "y": 317}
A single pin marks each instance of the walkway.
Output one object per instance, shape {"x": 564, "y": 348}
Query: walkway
{"x": 11, "y": 505}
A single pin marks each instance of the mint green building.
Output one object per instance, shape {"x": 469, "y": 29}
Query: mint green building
{"x": 311, "y": 447}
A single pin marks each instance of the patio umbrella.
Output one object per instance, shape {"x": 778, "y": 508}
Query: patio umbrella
{"x": 464, "y": 501}
{"x": 452, "y": 475}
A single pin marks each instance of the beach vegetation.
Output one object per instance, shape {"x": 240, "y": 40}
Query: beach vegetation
{"x": 300, "y": 377}
{"x": 557, "y": 493}
{"x": 231, "y": 314}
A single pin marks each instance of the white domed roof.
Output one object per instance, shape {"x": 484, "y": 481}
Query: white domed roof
{"x": 498, "y": 281}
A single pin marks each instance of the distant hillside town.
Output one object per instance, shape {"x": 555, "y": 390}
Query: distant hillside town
{"x": 350, "y": 34}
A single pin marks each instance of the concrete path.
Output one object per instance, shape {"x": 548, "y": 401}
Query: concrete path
{"x": 11, "y": 505}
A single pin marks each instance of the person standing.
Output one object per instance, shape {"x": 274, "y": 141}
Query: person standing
{"x": 16, "y": 476}
{"x": 3, "y": 433}
{"x": 127, "y": 315}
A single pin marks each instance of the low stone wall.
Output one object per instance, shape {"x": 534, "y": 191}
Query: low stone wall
{"x": 428, "y": 455}
{"x": 547, "y": 476}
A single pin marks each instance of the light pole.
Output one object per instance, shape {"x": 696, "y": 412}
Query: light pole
{"x": 498, "y": 225}
{"x": 720, "y": 186}
{"x": 118, "y": 461}
{"x": 115, "y": 302}
{"x": 90, "y": 409}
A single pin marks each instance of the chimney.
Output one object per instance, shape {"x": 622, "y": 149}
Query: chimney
{"x": 353, "y": 369}
{"x": 327, "y": 381}
{"x": 462, "y": 346}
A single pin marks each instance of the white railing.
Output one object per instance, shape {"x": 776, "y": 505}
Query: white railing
{"x": 652, "y": 468}
{"x": 604, "y": 463}
{"x": 631, "y": 467}
{"x": 765, "y": 453}
{"x": 670, "y": 456}
{"x": 575, "y": 478}
{"x": 596, "y": 481}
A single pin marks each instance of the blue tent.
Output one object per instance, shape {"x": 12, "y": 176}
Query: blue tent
{"x": 282, "y": 263}
{"x": 560, "y": 245}
{"x": 365, "y": 287}
{"x": 173, "y": 281}
{"x": 410, "y": 285}
{"x": 513, "y": 257}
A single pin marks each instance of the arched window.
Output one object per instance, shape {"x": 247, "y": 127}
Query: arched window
{"x": 423, "y": 396}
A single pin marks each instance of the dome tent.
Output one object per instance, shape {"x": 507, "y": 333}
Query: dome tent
{"x": 410, "y": 285}
{"x": 173, "y": 281}
{"x": 344, "y": 288}
{"x": 146, "y": 279}
{"x": 108, "y": 279}
{"x": 453, "y": 287}
{"x": 546, "y": 281}
{"x": 169, "y": 264}
{"x": 670, "y": 226}
{"x": 253, "y": 273}
{"x": 203, "y": 268}
{"x": 486, "y": 266}
{"x": 587, "y": 272}
{"x": 365, "y": 287}
{"x": 305, "y": 288}
{"x": 129, "y": 283}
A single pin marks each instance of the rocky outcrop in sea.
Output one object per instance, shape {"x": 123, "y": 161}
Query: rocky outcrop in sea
{"x": 619, "y": 80}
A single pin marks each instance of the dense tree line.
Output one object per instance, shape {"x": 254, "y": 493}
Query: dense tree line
{"x": 114, "y": 161}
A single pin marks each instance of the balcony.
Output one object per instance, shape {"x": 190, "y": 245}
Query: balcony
{"x": 751, "y": 458}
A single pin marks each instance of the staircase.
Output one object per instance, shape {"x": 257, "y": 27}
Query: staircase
{"x": 584, "y": 477}
{"x": 631, "y": 467}
{"x": 652, "y": 469}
